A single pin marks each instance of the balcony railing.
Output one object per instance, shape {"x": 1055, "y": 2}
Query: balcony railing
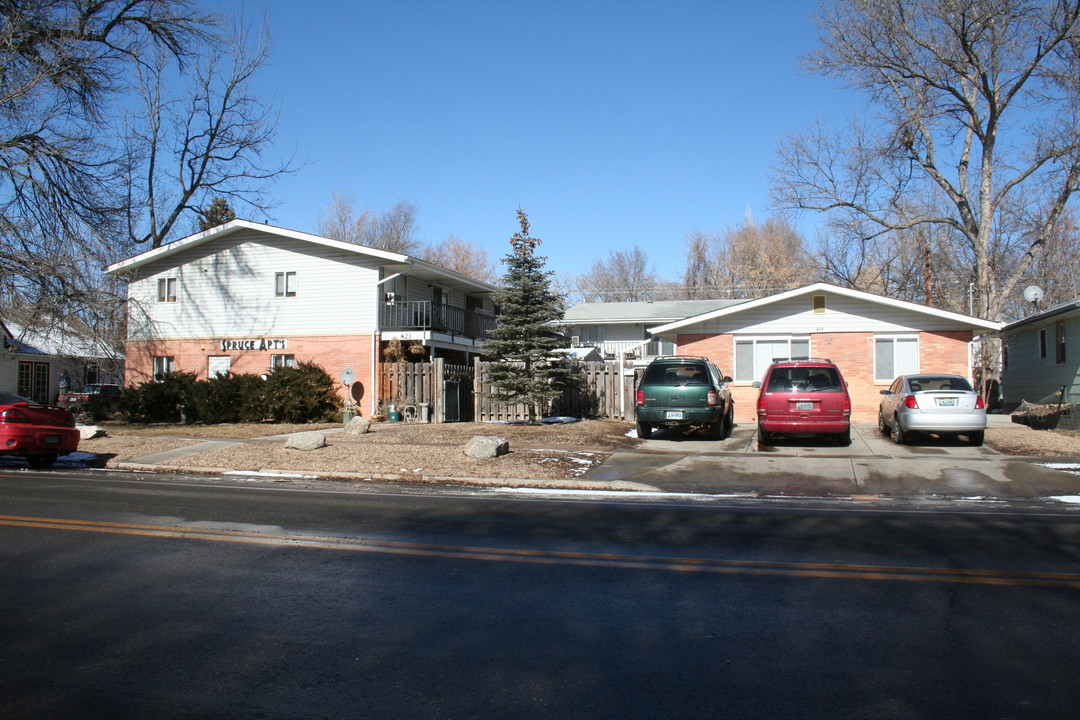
{"x": 435, "y": 317}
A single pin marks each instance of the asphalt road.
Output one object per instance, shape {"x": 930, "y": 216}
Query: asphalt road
{"x": 138, "y": 596}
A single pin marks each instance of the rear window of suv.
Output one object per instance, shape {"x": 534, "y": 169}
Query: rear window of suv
{"x": 804, "y": 379}
{"x": 676, "y": 375}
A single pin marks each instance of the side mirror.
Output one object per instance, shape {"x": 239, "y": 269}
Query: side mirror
{"x": 886, "y": 392}
{"x": 756, "y": 383}
{"x": 727, "y": 379}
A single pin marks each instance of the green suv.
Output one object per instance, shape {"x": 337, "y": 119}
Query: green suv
{"x": 684, "y": 391}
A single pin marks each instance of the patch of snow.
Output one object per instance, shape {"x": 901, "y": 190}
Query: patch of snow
{"x": 1075, "y": 499}
{"x": 1066, "y": 467}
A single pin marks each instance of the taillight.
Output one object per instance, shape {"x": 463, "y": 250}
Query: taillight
{"x": 640, "y": 397}
{"x": 847, "y": 405}
{"x": 12, "y": 415}
{"x": 980, "y": 404}
{"x": 911, "y": 402}
{"x": 760, "y": 405}
{"x": 712, "y": 398}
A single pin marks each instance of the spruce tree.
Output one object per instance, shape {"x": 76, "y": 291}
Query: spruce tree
{"x": 218, "y": 212}
{"x": 522, "y": 348}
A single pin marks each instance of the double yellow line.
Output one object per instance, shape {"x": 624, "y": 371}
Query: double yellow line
{"x": 552, "y": 557}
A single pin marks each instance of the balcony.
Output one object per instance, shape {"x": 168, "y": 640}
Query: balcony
{"x": 432, "y": 317}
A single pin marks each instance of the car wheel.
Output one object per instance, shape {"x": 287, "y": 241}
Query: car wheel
{"x": 764, "y": 437}
{"x": 42, "y": 461}
{"x": 844, "y": 439}
{"x": 882, "y": 427}
{"x": 976, "y": 438}
{"x": 898, "y": 435}
{"x": 644, "y": 430}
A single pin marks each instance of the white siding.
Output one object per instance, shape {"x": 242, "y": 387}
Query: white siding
{"x": 842, "y": 314}
{"x": 229, "y": 292}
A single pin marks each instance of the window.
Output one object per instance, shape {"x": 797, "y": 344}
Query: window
{"x": 753, "y": 356}
{"x": 895, "y": 356}
{"x": 819, "y": 303}
{"x": 1042, "y": 343}
{"x": 33, "y": 381}
{"x": 166, "y": 289}
{"x": 1059, "y": 341}
{"x": 280, "y": 361}
{"x": 285, "y": 284}
{"x": 658, "y": 346}
{"x": 590, "y": 334}
{"x": 218, "y": 365}
{"x": 163, "y": 365}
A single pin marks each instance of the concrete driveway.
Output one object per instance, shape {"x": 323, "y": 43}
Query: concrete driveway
{"x": 873, "y": 466}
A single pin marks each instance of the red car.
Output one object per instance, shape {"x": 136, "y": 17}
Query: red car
{"x": 803, "y": 396}
{"x": 39, "y": 433}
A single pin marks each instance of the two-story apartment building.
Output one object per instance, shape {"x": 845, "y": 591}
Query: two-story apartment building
{"x": 246, "y": 297}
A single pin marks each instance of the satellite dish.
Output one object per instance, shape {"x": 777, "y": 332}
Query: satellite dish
{"x": 348, "y": 377}
{"x": 1033, "y": 294}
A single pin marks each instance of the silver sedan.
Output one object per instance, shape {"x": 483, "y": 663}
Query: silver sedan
{"x": 932, "y": 403}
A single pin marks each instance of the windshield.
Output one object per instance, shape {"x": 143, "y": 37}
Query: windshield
{"x": 676, "y": 375}
{"x": 804, "y": 379}
{"x": 7, "y": 398}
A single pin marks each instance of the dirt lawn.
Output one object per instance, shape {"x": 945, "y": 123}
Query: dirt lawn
{"x": 394, "y": 450}
{"x": 414, "y": 451}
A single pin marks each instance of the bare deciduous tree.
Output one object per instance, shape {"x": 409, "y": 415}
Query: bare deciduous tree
{"x": 342, "y": 221}
{"x": 625, "y": 276}
{"x": 210, "y": 141}
{"x": 462, "y": 256}
{"x": 979, "y": 124}
{"x": 63, "y": 66}
{"x": 749, "y": 260}
{"x": 395, "y": 230}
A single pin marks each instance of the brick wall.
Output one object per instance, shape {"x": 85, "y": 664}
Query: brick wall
{"x": 945, "y": 352}
{"x": 332, "y": 353}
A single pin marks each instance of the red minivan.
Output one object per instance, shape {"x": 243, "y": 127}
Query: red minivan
{"x": 806, "y": 396}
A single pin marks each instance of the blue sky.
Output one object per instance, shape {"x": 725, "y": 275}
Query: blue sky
{"x": 611, "y": 124}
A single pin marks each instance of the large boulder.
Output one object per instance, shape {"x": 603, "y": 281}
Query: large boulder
{"x": 306, "y": 441}
{"x": 485, "y": 447}
{"x": 357, "y": 426}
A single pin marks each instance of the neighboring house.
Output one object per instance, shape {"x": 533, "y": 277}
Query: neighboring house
{"x": 34, "y": 358}
{"x": 622, "y": 327}
{"x": 245, "y": 297}
{"x": 872, "y": 339}
{"x": 1041, "y": 355}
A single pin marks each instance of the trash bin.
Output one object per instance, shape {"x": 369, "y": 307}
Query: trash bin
{"x": 393, "y": 416}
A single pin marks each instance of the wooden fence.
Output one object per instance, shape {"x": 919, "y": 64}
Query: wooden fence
{"x": 457, "y": 392}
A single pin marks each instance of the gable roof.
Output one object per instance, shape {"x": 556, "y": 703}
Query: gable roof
{"x": 1043, "y": 316}
{"x": 395, "y": 261}
{"x": 821, "y": 287}
{"x": 600, "y": 313}
{"x": 56, "y": 342}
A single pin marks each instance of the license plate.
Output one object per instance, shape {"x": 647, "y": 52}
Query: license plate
{"x": 674, "y": 415}
{"x": 52, "y": 439}
{"x": 947, "y": 402}
{"x": 804, "y": 405}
